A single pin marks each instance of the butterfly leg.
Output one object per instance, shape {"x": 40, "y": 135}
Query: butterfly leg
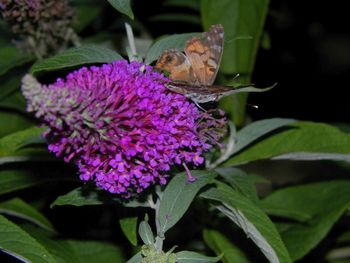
{"x": 199, "y": 106}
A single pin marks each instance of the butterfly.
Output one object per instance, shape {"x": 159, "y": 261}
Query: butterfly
{"x": 193, "y": 73}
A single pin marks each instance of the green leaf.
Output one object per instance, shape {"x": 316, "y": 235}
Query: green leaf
{"x": 79, "y": 197}
{"x": 307, "y": 156}
{"x": 146, "y": 233}
{"x": 86, "y": 12}
{"x": 18, "y": 243}
{"x": 16, "y": 102}
{"x": 82, "y": 196}
{"x": 169, "y": 42}
{"x": 14, "y": 142}
{"x": 18, "y": 208}
{"x": 178, "y": 196}
{"x": 12, "y": 57}
{"x": 239, "y": 18}
{"x": 250, "y": 134}
{"x": 257, "y": 129}
{"x": 317, "y": 205}
{"x": 16, "y": 179}
{"x": 253, "y": 221}
{"x": 194, "y": 257}
{"x": 12, "y": 103}
{"x": 240, "y": 181}
{"x": 10, "y": 83}
{"x": 12, "y": 122}
{"x": 123, "y": 6}
{"x": 59, "y": 248}
{"x": 21, "y": 146}
{"x": 86, "y": 54}
{"x": 97, "y": 252}
{"x": 221, "y": 245}
{"x": 235, "y": 106}
{"x": 129, "y": 226}
{"x": 13, "y": 116}
{"x": 136, "y": 258}
{"x": 306, "y": 141}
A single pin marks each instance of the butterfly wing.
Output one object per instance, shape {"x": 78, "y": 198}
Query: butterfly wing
{"x": 203, "y": 94}
{"x": 204, "y": 55}
{"x": 177, "y": 64}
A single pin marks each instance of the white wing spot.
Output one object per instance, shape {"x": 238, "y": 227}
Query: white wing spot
{"x": 212, "y": 63}
{"x": 216, "y": 47}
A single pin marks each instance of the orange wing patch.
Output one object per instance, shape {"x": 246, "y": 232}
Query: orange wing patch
{"x": 199, "y": 55}
{"x": 205, "y": 54}
{"x": 177, "y": 64}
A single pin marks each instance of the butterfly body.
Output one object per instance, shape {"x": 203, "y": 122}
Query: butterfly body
{"x": 193, "y": 72}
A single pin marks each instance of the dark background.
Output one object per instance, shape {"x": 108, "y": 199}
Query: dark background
{"x": 309, "y": 58}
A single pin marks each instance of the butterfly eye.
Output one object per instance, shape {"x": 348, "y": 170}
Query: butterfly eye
{"x": 168, "y": 59}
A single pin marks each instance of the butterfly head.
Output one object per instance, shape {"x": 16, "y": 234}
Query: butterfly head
{"x": 168, "y": 60}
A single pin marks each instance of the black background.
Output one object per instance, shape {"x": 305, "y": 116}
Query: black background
{"x": 309, "y": 58}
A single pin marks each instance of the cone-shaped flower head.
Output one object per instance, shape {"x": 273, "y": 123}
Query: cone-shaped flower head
{"x": 120, "y": 125}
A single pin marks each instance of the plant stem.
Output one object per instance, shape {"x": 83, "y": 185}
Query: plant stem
{"x": 160, "y": 235}
{"x": 132, "y": 45}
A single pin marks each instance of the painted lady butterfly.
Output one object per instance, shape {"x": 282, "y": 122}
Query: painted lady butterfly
{"x": 194, "y": 72}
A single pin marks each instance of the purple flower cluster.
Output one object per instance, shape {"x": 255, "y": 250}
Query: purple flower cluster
{"x": 120, "y": 125}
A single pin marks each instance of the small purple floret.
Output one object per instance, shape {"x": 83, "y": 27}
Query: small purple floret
{"x": 121, "y": 126}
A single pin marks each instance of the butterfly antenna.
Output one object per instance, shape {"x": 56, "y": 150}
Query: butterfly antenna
{"x": 236, "y": 76}
{"x": 199, "y": 106}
